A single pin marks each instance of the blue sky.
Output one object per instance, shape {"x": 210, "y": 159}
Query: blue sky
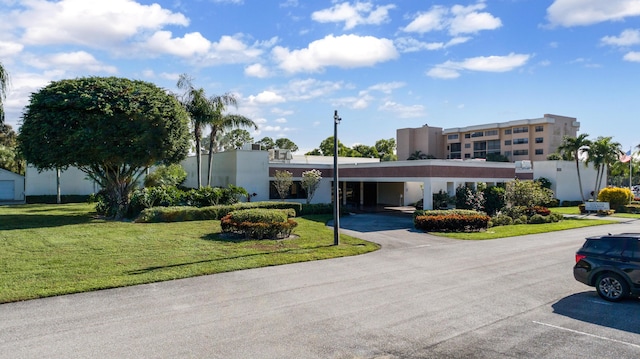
{"x": 383, "y": 65}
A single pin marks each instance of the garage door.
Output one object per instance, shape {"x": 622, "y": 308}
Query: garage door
{"x": 7, "y": 190}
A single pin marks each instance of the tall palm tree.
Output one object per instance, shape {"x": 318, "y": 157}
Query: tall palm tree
{"x": 572, "y": 147}
{"x": 223, "y": 122}
{"x": 602, "y": 153}
{"x": 4, "y": 81}
{"x": 201, "y": 110}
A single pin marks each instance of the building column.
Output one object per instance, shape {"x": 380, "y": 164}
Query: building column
{"x": 427, "y": 195}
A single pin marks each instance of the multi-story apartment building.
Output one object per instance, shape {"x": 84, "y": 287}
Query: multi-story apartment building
{"x": 529, "y": 139}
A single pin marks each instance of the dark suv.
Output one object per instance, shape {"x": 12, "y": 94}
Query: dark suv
{"x": 610, "y": 263}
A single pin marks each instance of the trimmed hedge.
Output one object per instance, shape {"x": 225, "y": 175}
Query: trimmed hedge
{"x": 185, "y": 213}
{"x": 454, "y": 220}
{"x": 632, "y": 208}
{"x": 259, "y": 223}
{"x": 452, "y": 223}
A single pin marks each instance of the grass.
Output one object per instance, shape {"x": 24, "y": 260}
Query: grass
{"x": 48, "y": 250}
{"x": 576, "y": 211}
{"x": 524, "y": 229}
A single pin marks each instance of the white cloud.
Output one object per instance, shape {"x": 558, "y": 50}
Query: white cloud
{"x": 360, "y": 13}
{"x": 306, "y": 89}
{"x": 234, "y": 49}
{"x": 633, "y": 56}
{"x": 98, "y": 24}
{"x": 570, "y": 13}
{"x": 281, "y": 120}
{"x": 456, "y": 20}
{"x": 266, "y": 97}
{"x": 69, "y": 61}
{"x": 627, "y": 38}
{"x": 468, "y": 20}
{"x": 451, "y": 69}
{"x": 346, "y": 51}
{"x": 189, "y": 45}
{"x": 409, "y": 44}
{"x": 403, "y": 111}
{"x": 387, "y": 87}
{"x": 257, "y": 70}
{"x": 8, "y": 49}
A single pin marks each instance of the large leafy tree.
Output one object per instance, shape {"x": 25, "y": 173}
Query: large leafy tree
{"x": 286, "y": 144}
{"x": 266, "y": 143}
{"x": 571, "y": 148}
{"x": 386, "y": 149}
{"x": 112, "y": 129}
{"x": 602, "y": 152}
{"x": 4, "y": 81}
{"x": 236, "y": 138}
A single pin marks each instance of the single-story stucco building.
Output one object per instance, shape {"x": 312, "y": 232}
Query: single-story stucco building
{"x": 363, "y": 181}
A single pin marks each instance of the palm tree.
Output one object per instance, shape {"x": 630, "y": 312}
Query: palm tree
{"x": 602, "y": 153}
{"x": 572, "y": 147}
{"x": 220, "y": 123}
{"x": 4, "y": 81}
{"x": 201, "y": 109}
{"x": 417, "y": 155}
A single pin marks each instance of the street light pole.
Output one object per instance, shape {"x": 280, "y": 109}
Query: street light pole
{"x": 336, "y": 191}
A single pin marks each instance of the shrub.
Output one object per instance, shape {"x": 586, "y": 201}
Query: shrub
{"x": 187, "y": 213}
{"x": 571, "y": 203}
{"x": 537, "y": 219}
{"x": 259, "y": 223}
{"x": 494, "y": 199}
{"x": 502, "y": 220}
{"x": 450, "y": 220}
{"x": 171, "y": 175}
{"x": 616, "y": 196}
{"x": 632, "y": 208}
{"x": 318, "y": 208}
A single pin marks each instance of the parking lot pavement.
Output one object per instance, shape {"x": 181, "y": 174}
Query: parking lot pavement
{"x": 420, "y": 296}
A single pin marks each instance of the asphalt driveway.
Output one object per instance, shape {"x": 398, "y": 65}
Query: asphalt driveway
{"x": 420, "y": 296}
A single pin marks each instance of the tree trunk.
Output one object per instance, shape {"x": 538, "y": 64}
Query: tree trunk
{"x": 579, "y": 179}
{"x": 58, "y": 197}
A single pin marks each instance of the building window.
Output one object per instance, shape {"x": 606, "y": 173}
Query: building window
{"x": 477, "y": 134}
{"x": 507, "y": 131}
{"x": 539, "y": 140}
{"x": 507, "y": 154}
{"x": 521, "y": 152}
{"x": 452, "y": 137}
{"x": 493, "y": 146}
{"x": 539, "y": 151}
{"x": 507, "y": 142}
{"x": 520, "y": 141}
{"x": 467, "y": 145}
{"x": 455, "y": 147}
{"x": 520, "y": 129}
{"x": 539, "y": 128}
{"x": 467, "y": 155}
{"x": 295, "y": 192}
{"x": 491, "y": 133}
{"x": 467, "y": 135}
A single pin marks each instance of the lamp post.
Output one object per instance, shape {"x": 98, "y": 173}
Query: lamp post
{"x": 336, "y": 192}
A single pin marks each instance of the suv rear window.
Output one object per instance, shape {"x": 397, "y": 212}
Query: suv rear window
{"x": 607, "y": 245}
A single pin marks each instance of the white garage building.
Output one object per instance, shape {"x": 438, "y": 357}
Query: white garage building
{"x": 11, "y": 186}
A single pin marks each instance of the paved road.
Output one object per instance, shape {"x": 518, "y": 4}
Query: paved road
{"x": 418, "y": 297}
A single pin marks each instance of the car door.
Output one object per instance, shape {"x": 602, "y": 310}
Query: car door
{"x": 633, "y": 254}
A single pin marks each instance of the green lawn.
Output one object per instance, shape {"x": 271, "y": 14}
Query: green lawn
{"x": 524, "y": 229}
{"x": 48, "y": 250}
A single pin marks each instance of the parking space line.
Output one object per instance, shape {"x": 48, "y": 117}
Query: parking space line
{"x": 587, "y": 334}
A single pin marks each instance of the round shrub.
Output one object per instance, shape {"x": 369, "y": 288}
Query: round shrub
{"x": 616, "y": 196}
{"x": 537, "y": 219}
{"x": 259, "y": 223}
{"x": 502, "y": 220}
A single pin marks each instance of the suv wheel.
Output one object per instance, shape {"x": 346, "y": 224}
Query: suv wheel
{"x": 611, "y": 287}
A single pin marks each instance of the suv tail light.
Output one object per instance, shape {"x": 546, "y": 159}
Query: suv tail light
{"x": 580, "y": 257}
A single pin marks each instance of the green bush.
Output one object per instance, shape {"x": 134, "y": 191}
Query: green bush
{"x": 318, "y": 208}
{"x": 494, "y": 199}
{"x": 632, "y": 208}
{"x": 188, "y": 213}
{"x": 571, "y": 203}
{"x": 172, "y": 175}
{"x": 455, "y": 220}
{"x": 502, "y": 220}
{"x": 538, "y": 219}
{"x": 259, "y": 223}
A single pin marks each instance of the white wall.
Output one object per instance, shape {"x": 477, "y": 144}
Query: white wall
{"x": 564, "y": 179}
{"x": 72, "y": 182}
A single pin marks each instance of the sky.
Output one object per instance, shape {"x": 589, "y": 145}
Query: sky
{"x": 382, "y": 65}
